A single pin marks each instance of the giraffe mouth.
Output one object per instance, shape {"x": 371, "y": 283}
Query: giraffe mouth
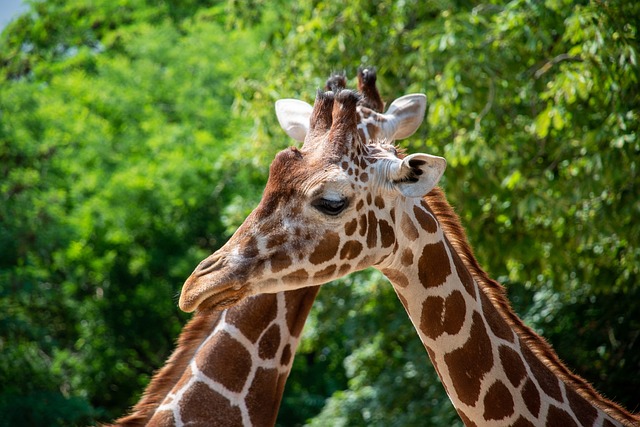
{"x": 201, "y": 294}
{"x": 221, "y": 300}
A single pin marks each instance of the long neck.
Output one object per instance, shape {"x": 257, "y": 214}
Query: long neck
{"x": 495, "y": 369}
{"x": 230, "y": 367}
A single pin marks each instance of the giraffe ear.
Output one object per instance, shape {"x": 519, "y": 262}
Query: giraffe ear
{"x": 405, "y": 115}
{"x": 418, "y": 174}
{"x": 293, "y": 116}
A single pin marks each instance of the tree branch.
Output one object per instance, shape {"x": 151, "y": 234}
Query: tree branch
{"x": 558, "y": 59}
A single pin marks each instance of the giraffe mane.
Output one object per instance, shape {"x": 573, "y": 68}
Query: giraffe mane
{"x": 198, "y": 328}
{"x": 456, "y": 235}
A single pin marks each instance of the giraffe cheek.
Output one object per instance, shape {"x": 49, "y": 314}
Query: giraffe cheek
{"x": 350, "y": 250}
{"x": 326, "y": 249}
{"x": 280, "y": 261}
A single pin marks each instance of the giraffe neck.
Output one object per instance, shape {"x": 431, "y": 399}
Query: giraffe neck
{"x": 495, "y": 369}
{"x": 230, "y": 367}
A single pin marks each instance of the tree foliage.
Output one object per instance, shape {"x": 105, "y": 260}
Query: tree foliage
{"x": 135, "y": 137}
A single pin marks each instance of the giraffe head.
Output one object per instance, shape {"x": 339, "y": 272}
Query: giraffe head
{"x": 328, "y": 209}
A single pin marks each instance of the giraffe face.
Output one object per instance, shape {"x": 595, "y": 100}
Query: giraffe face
{"x": 327, "y": 210}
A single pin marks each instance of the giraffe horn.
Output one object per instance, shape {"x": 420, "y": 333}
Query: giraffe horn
{"x": 320, "y": 120}
{"x": 344, "y": 128}
{"x": 336, "y": 82}
{"x": 367, "y": 86}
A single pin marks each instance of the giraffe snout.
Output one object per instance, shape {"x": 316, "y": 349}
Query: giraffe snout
{"x": 214, "y": 284}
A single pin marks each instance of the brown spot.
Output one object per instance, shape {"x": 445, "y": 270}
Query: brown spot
{"x": 469, "y": 364}
{"x": 432, "y": 357}
{"x": 325, "y": 272}
{"x": 407, "y": 257}
{"x": 498, "y": 402}
{"x": 431, "y": 317}
{"x": 362, "y": 135}
{"x": 365, "y": 262}
{"x": 522, "y": 422}
{"x": 531, "y": 397}
{"x": 496, "y": 322}
{"x": 327, "y": 248}
{"x": 298, "y": 303}
{"x": 464, "y": 275}
{"x": 296, "y": 210}
{"x": 276, "y": 240}
{"x": 372, "y": 230}
{"x": 369, "y": 199}
{"x": 557, "y": 417}
{"x": 350, "y": 172}
{"x": 548, "y": 382}
{"x": 279, "y": 261}
{"x": 425, "y": 219}
{"x": 269, "y": 343}
{"x": 396, "y": 277}
{"x": 296, "y": 277}
{"x": 204, "y": 407}
{"x": 286, "y": 355}
{"x": 443, "y": 315}
{"x": 465, "y": 419}
{"x": 351, "y": 249}
{"x": 379, "y": 202}
{"x": 363, "y": 224}
{"x": 344, "y": 269}
{"x": 359, "y": 205}
{"x": 387, "y": 235}
{"x": 371, "y": 129}
{"x": 512, "y": 365}
{"x": 263, "y": 389}
{"x": 249, "y": 248}
{"x": 433, "y": 265}
{"x": 584, "y": 411}
{"x": 408, "y": 228}
{"x": 403, "y": 300}
{"x": 229, "y": 364}
{"x": 344, "y": 165}
{"x": 364, "y": 177}
{"x": 264, "y": 309}
{"x": 350, "y": 227}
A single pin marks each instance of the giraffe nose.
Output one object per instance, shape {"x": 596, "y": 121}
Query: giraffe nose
{"x": 214, "y": 283}
{"x": 209, "y": 264}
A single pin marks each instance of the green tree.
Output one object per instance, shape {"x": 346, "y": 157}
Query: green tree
{"x": 115, "y": 121}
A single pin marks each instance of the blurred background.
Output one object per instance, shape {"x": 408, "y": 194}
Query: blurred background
{"x": 136, "y": 135}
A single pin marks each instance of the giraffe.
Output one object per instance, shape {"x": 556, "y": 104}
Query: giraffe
{"x": 343, "y": 203}
{"x": 230, "y": 366}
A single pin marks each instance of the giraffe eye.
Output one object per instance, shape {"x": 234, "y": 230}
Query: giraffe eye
{"x": 330, "y": 207}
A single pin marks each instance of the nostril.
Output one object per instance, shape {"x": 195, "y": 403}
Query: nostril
{"x": 214, "y": 262}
